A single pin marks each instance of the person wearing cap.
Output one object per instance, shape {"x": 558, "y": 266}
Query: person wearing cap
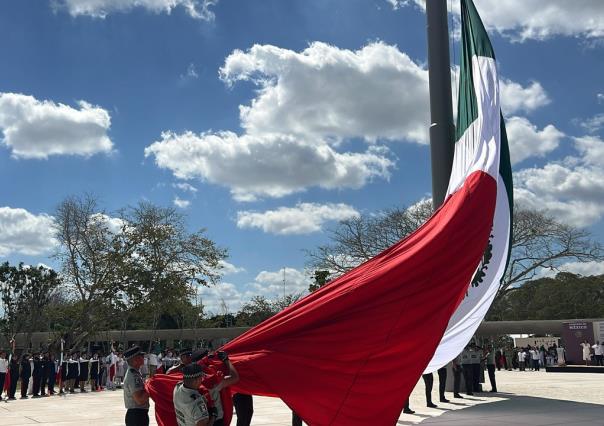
{"x": 189, "y": 405}
{"x": 136, "y": 398}
{"x": 185, "y": 359}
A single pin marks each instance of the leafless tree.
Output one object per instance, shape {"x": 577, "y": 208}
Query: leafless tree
{"x": 538, "y": 241}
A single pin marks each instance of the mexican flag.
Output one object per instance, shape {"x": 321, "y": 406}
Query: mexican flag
{"x": 479, "y": 120}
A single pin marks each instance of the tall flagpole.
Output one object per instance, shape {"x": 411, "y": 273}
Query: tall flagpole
{"x": 442, "y": 129}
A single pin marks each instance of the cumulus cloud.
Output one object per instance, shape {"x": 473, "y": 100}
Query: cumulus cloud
{"x": 571, "y": 190}
{"x": 323, "y": 91}
{"x": 269, "y": 165}
{"x": 535, "y": 19}
{"x": 304, "y": 218}
{"x": 22, "y": 232}
{"x": 270, "y": 284}
{"x": 38, "y": 129}
{"x": 526, "y": 140}
{"x": 600, "y": 97}
{"x": 228, "y": 268}
{"x": 284, "y": 281}
{"x": 181, "y": 203}
{"x": 516, "y": 98}
{"x": 198, "y": 9}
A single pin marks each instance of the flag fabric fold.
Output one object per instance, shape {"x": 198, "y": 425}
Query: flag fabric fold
{"x": 478, "y": 114}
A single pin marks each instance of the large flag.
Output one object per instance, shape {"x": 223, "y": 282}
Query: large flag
{"x": 479, "y": 117}
{"x": 350, "y": 353}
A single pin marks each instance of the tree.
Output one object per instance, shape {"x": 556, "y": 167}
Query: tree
{"x": 321, "y": 278}
{"x": 25, "y": 292}
{"x": 259, "y": 309}
{"x": 90, "y": 263}
{"x": 566, "y": 296}
{"x": 538, "y": 241}
{"x": 162, "y": 263}
{"x": 142, "y": 263}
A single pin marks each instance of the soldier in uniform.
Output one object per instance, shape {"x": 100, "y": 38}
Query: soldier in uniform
{"x": 185, "y": 359}
{"x": 231, "y": 377}
{"x": 190, "y": 407}
{"x": 476, "y": 356}
{"x": 466, "y": 365}
{"x": 136, "y": 398}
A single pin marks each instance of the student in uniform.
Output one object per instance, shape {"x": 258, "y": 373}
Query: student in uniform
{"x": 468, "y": 372}
{"x": 84, "y": 365}
{"x": 136, "y": 398}
{"x": 189, "y": 405}
{"x": 37, "y": 375}
{"x": 25, "y": 375}
{"x": 94, "y": 372}
{"x": 14, "y": 377}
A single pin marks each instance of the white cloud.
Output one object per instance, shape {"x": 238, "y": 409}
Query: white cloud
{"x": 580, "y": 268}
{"x": 228, "y": 268}
{"x": 266, "y": 283}
{"x": 536, "y": 19}
{"x": 593, "y": 124}
{"x": 223, "y": 296}
{"x": 25, "y": 233}
{"x": 38, "y": 129}
{"x": 114, "y": 224}
{"x": 268, "y": 165}
{"x": 516, "y": 98}
{"x": 600, "y": 97}
{"x": 198, "y": 9}
{"x": 275, "y": 283}
{"x": 186, "y": 187}
{"x": 571, "y": 190}
{"x": 326, "y": 92}
{"x": 304, "y": 218}
{"x": 527, "y": 141}
{"x": 179, "y": 202}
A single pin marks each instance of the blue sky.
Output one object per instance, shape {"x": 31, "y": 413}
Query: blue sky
{"x": 280, "y": 117}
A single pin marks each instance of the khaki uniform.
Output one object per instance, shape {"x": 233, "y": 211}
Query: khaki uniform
{"x": 189, "y": 405}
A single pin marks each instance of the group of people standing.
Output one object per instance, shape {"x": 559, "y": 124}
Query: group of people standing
{"x": 41, "y": 374}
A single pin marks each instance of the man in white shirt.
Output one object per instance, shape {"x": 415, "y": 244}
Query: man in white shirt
{"x": 521, "y": 359}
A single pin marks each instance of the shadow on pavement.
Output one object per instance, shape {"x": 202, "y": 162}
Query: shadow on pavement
{"x": 524, "y": 410}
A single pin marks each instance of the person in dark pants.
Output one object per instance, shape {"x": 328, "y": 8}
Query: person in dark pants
{"x": 45, "y": 374}
{"x": 136, "y": 398}
{"x": 429, "y": 382}
{"x": 25, "y": 375}
{"x": 475, "y": 356}
{"x": 407, "y": 409}
{"x": 296, "y": 419}
{"x": 37, "y": 375}
{"x": 442, "y": 383}
{"x": 490, "y": 361}
{"x": 244, "y": 406}
{"x": 52, "y": 374}
{"x": 457, "y": 371}
{"x": 14, "y": 377}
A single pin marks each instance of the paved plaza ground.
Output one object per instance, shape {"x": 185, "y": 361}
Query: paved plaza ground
{"x": 526, "y": 398}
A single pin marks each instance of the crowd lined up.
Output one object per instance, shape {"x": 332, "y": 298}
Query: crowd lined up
{"x": 40, "y": 374}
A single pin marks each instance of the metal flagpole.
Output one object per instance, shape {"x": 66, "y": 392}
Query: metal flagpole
{"x": 442, "y": 129}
